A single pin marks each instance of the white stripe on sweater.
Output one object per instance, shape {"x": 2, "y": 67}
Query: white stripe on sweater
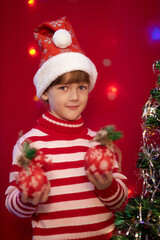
{"x": 62, "y": 124}
{"x": 10, "y": 189}
{"x": 69, "y": 189}
{"x": 119, "y": 176}
{"x": 12, "y": 176}
{"x": 65, "y": 173}
{"x": 124, "y": 186}
{"x": 32, "y": 133}
{"x": 91, "y": 133}
{"x": 73, "y": 221}
{"x": 69, "y": 157}
{"x": 70, "y": 205}
{"x": 61, "y": 143}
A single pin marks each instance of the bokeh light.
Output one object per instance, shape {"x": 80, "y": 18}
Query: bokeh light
{"x": 31, "y": 2}
{"x": 32, "y": 51}
{"x": 153, "y": 32}
{"x": 129, "y": 191}
{"x": 36, "y": 99}
{"x": 112, "y": 91}
{"x": 107, "y": 62}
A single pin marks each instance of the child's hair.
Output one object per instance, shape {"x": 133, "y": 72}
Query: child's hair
{"x": 76, "y": 76}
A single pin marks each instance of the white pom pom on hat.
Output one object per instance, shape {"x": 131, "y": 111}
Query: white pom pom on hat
{"x": 61, "y": 53}
{"x": 62, "y": 38}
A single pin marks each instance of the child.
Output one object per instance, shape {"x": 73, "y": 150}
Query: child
{"x": 75, "y": 204}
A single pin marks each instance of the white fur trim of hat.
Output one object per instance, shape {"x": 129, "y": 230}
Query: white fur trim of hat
{"x": 60, "y": 64}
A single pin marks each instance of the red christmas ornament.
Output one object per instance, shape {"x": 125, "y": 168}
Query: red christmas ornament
{"x": 100, "y": 158}
{"x": 31, "y": 180}
{"x": 31, "y": 177}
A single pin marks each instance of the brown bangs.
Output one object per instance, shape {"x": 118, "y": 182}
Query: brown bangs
{"x": 74, "y": 77}
{"x": 77, "y": 76}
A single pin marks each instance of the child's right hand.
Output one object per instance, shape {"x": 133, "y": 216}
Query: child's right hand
{"x": 100, "y": 181}
{"x": 39, "y": 197}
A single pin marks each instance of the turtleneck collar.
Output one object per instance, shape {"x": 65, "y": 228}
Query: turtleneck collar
{"x": 60, "y": 125}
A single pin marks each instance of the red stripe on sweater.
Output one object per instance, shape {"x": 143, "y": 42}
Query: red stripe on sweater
{"x": 64, "y": 150}
{"x": 71, "y": 213}
{"x": 121, "y": 191}
{"x": 67, "y": 165}
{"x": 68, "y": 181}
{"x": 117, "y": 203}
{"x": 59, "y": 137}
{"x": 72, "y": 196}
{"x": 15, "y": 168}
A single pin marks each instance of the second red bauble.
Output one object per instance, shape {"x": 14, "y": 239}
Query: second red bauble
{"x": 99, "y": 159}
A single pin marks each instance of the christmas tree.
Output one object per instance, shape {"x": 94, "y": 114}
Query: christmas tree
{"x": 140, "y": 218}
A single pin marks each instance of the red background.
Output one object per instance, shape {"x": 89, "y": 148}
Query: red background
{"x": 119, "y": 30}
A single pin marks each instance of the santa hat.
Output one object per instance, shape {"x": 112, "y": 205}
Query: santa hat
{"x": 61, "y": 53}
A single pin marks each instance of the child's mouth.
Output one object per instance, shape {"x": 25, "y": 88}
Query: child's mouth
{"x": 72, "y": 107}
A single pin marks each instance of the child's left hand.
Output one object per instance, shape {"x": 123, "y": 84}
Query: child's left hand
{"x": 100, "y": 181}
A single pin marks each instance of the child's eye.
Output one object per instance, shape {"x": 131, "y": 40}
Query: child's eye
{"x": 63, "y": 88}
{"x": 82, "y": 87}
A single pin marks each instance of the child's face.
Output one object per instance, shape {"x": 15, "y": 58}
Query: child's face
{"x": 67, "y": 101}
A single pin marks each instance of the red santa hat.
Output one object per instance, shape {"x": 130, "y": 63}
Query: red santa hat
{"x": 61, "y": 53}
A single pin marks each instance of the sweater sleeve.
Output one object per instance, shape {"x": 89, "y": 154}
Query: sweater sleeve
{"x": 13, "y": 198}
{"x": 115, "y": 195}
{"x": 15, "y": 206}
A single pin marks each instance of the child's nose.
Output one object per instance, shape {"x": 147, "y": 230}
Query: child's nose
{"x": 73, "y": 94}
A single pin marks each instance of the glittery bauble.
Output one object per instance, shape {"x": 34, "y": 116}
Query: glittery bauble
{"x": 144, "y": 227}
{"x": 153, "y": 137}
{"x": 149, "y": 109}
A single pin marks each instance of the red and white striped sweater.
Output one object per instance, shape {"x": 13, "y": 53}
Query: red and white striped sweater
{"x": 75, "y": 209}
